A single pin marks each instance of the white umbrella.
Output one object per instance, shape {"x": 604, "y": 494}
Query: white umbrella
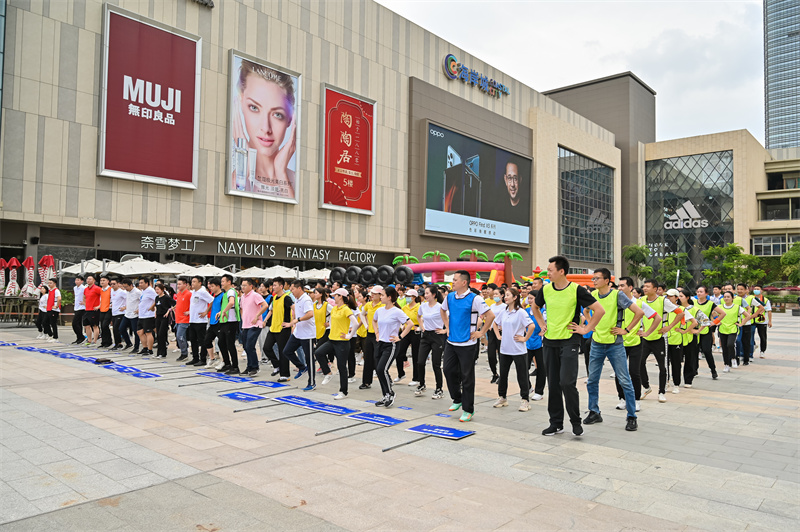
{"x": 179, "y": 266}
{"x": 255, "y": 272}
{"x": 142, "y": 267}
{"x": 322, "y": 274}
{"x": 89, "y": 266}
{"x": 279, "y": 271}
{"x": 209, "y": 270}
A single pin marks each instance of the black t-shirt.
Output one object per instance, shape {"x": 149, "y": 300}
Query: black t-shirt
{"x": 585, "y": 299}
{"x": 163, "y": 304}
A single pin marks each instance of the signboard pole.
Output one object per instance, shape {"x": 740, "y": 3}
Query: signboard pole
{"x": 340, "y": 428}
{"x": 176, "y": 378}
{"x": 257, "y": 407}
{"x": 236, "y": 389}
{"x": 197, "y": 383}
{"x": 277, "y": 390}
{"x": 405, "y": 443}
{"x": 294, "y": 416}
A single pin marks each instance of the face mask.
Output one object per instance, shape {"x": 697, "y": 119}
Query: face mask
{"x": 497, "y": 300}
{"x": 757, "y": 292}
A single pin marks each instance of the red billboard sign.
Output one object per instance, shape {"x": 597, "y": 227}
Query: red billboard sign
{"x": 150, "y": 103}
{"x": 348, "y": 176}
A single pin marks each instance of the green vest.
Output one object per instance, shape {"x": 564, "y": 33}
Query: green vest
{"x": 658, "y": 308}
{"x": 763, "y": 317}
{"x": 751, "y": 309}
{"x": 686, "y": 321}
{"x": 562, "y": 306}
{"x": 729, "y": 323}
{"x": 632, "y": 339}
{"x": 228, "y": 294}
{"x": 602, "y": 333}
{"x": 706, "y": 308}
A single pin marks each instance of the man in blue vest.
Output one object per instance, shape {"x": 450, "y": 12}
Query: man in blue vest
{"x": 461, "y": 311}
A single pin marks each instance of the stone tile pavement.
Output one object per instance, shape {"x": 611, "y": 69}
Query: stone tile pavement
{"x": 85, "y": 448}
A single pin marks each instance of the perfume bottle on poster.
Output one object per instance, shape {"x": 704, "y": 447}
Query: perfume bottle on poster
{"x": 240, "y": 164}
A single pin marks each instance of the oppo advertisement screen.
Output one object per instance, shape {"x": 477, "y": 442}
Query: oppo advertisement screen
{"x": 475, "y": 189}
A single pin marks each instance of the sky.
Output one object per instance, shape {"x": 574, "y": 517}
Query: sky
{"x": 704, "y": 59}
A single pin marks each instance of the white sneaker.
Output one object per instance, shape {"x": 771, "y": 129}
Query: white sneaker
{"x": 413, "y": 383}
{"x": 351, "y": 379}
{"x": 621, "y": 404}
{"x": 734, "y": 364}
{"x": 612, "y": 375}
{"x": 398, "y": 379}
{"x": 220, "y": 365}
{"x": 211, "y": 363}
{"x": 662, "y": 398}
{"x": 676, "y": 390}
{"x": 524, "y": 406}
{"x": 638, "y": 408}
{"x": 646, "y": 391}
{"x": 500, "y": 403}
{"x": 360, "y": 362}
{"x": 327, "y": 379}
{"x": 687, "y": 385}
{"x": 727, "y": 369}
{"x": 762, "y": 355}
{"x": 537, "y": 397}
{"x": 339, "y": 395}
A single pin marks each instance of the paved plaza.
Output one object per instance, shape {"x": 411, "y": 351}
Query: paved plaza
{"x": 85, "y": 448}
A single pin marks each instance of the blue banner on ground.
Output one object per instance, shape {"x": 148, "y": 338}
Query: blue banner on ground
{"x": 128, "y": 370}
{"x": 333, "y": 409}
{"x": 269, "y": 384}
{"x": 244, "y": 397}
{"x": 441, "y": 432}
{"x": 295, "y": 400}
{"x": 378, "y": 419}
{"x": 145, "y": 375}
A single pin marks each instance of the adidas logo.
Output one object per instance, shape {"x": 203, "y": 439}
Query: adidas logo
{"x": 598, "y": 223}
{"x": 686, "y": 217}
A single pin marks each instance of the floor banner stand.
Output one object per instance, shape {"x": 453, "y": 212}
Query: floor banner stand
{"x": 406, "y": 443}
{"x": 294, "y": 416}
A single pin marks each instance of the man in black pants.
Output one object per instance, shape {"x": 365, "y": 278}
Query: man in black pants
{"x": 198, "y": 321}
{"x": 229, "y": 322}
{"x": 280, "y": 328}
{"x": 654, "y": 338}
{"x": 706, "y": 335}
{"x": 562, "y": 337}
{"x": 79, "y": 311}
{"x": 118, "y": 300}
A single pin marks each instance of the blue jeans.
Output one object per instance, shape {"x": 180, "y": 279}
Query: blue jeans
{"x": 619, "y": 362}
{"x": 180, "y": 337}
{"x": 129, "y": 323}
{"x": 250, "y": 341}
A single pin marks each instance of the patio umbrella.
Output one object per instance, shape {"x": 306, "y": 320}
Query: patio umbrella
{"x": 255, "y": 272}
{"x": 86, "y": 266}
{"x": 47, "y": 269}
{"x": 3, "y": 266}
{"x": 178, "y": 266}
{"x": 30, "y": 272}
{"x": 13, "y": 287}
{"x": 314, "y": 273}
{"x": 142, "y": 267}
{"x": 279, "y": 271}
{"x": 209, "y": 270}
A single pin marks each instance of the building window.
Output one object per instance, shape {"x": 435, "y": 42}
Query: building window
{"x": 586, "y": 208}
{"x": 775, "y": 209}
{"x": 689, "y": 206}
{"x": 769, "y": 246}
{"x": 781, "y": 73}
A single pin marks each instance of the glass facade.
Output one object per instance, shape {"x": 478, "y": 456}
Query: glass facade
{"x": 585, "y": 209}
{"x": 782, "y": 73}
{"x": 2, "y": 50}
{"x": 689, "y": 206}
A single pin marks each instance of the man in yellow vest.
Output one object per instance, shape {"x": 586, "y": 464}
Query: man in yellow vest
{"x": 654, "y": 338}
{"x": 762, "y": 321}
{"x": 744, "y": 341}
{"x": 607, "y": 342}
{"x": 562, "y": 338}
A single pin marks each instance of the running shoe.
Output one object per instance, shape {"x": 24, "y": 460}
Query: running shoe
{"x": 646, "y": 392}
{"x": 301, "y": 373}
{"x": 233, "y": 371}
{"x": 662, "y": 398}
{"x": 621, "y": 405}
{"x": 735, "y": 363}
{"x": 685, "y": 385}
{"x": 524, "y": 406}
{"x": 223, "y": 369}
{"x": 551, "y": 430}
{"x": 309, "y": 388}
{"x": 632, "y": 424}
{"x": 420, "y": 389}
{"x": 676, "y": 390}
{"x": 454, "y": 407}
{"x": 275, "y": 371}
{"x": 726, "y": 369}
{"x": 283, "y": 379}
{"x": 327, "y": 379}
{"x": 638, "y": 408}
{"x": 413, "y": 383}
{"x": 592, "y": 418}
{"x": 389, "y": 400}
{"x": 382, "y": 402}
{"x": 351, "y": 379}
{"x": 495, "y": 378}
{"x": 500, "y": 403}
{"x": 220, "y": 365}
{"x": 466, "y": 416}
{"x": 437, "y": 394}
{"x": 365, "y": 387}
{"x": 577, "y": 429}
{"x": 340, "y": 395}
{"x": 762, "y": 355}
{"x": 399, "y": 378}
{"x": 714, "y": 374}
{"x": 211, "y": 363}
{"x": 537, "y": 397}
{"x": 612, "y": 375}
{"x": 252, "y": 372}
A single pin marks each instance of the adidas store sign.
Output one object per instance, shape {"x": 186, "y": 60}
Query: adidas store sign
{"x": 598, "y": 223}
{"x": 686, "y": 217}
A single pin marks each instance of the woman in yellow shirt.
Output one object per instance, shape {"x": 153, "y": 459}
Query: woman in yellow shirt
{"x": 343, "y": 328}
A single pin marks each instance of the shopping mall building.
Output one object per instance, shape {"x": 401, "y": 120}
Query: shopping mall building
{"x": 317, "y": 134}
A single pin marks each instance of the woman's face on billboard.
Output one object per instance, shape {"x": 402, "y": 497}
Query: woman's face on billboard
{"x": 267, "y": 114}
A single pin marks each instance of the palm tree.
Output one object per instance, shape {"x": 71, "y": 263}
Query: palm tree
{"x": 507, "y": 257}
{"x": 438, "y": 256}
{"x": 474, "y": 255}
{"x": 405, "y": 259}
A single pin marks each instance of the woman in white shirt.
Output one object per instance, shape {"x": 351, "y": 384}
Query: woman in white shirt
{"x": 42, "y": 323}
{"x": 513, "y": 326}
{"x": 386, "y": 323}
{"x": 432, "y": 341}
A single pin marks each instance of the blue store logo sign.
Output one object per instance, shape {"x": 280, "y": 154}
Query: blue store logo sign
{"x": 455, "y": 70}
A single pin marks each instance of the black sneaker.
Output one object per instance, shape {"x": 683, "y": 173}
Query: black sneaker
{"x": 495, "y": 378}
{"x": 365, "y": 387}
{"x": 181, "y": 358}
{"x": 593, "y": 417}
{"x": 126, "y": 347}
{"x": 116, "y": 347}
{"x": 552, "y": 429}
{"x": 275, "y": 371}
{"x": 195, "y": 362}
{"x": 252, "y": 372}
{"x": 233, "y": 371}
{"x": 224, "y": 369}
{"x": 714, "y": 375}
{"x": 631, "y": 425}
{"x": 532, "y": 373}
{"x": 382, "y": 402}
{"x": 389, "y": 401}
{"x": 577, "y": 429}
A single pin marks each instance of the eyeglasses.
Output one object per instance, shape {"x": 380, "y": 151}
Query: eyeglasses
{"x": 597, "y": 278}
{"x": 512, "y": 177}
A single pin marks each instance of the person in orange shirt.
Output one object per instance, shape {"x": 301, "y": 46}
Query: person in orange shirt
{"x": 91, "y": 318}
{"x": 105, "y": 312}
{"x": 183, "y": 299}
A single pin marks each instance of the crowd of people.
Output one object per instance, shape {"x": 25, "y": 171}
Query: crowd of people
{"x": 540, "y": 328}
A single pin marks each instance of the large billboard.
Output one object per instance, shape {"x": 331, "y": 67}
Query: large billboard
{"x": 348, "y": 155}
{"x": 150, "y": 101}
{"x": 264, "y": 120}
{"x": 475, "y": 189}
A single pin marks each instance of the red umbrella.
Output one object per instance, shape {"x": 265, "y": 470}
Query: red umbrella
{"x": 47, "y": 267}
{"x": 13, "y": 287}
{"x": 3, "y": 266}
{"x": 28, "y": 288}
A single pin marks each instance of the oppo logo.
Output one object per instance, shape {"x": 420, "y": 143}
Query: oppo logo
{"x": 436, "y": 133}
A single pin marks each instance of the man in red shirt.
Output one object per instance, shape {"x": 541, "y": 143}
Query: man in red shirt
{"x": 182, "y": 300}
{"x": 91, "y": 318}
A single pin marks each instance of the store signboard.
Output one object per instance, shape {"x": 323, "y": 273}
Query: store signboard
{"x": 150, "y": 101}
{"x": 348, "y": 155}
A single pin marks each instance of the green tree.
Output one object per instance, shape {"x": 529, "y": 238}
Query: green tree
{"x": 729, "y": 264}
{"x": 405, "y": 259}
{"x": 791, "y": 264}
{"x": 668, "y": 270}
{"x": 636, "y": 260}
